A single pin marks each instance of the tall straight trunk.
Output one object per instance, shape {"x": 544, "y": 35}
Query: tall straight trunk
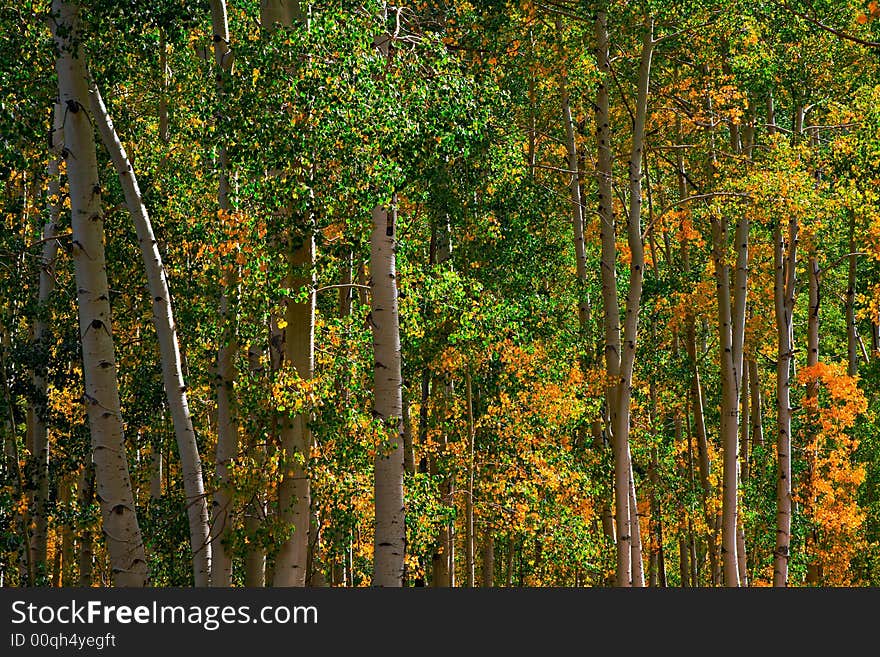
{"x": 703, "y": 465}
{"x": 390, "y": 532}
{"x": 731, "y": 325}
{"x": 577, "y": 219}
{"x": 611, "y": 308}
{"x": 756, "y": 404}
{"x": 620, "y": 413}
{"x": 85, "y": 495}
{"x": 38, "y": 407}
{"x": 294, "y": 490}
{"x": 164, "y": 134}
{"x": 469, "y": 494}
{"x": 488, "y": 570}
{"x": 746, "y": 423}
{"x": 67, "y": 534}
{"x": 120, "y": 525}
{"x": 813, "y": 273}
{"x": 255, "y": 557}
{"x": 852, "y": 354}
{"x": 224, "y": 379}
{"x": 657, "y": 559}
{"x": 584, "y": 309}
{"x": 744, "y": 457}
{"x": 784, "y": 260}
{"x": 169, "y": 350}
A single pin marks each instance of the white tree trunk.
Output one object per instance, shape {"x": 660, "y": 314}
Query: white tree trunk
{"x": 784, "y": 258}
{"x": 390, "y": 534}
{"x": 224, "y": 383}
{"x": 101, "y": 396}
{"x": 41, "y": 336}
{"x": 294, "y": 492}
{"x": 169, "y": 350}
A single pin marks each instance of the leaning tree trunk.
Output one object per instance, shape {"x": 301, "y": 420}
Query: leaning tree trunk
{"x": 169, "y": 350}
{"x": 120, "y": 525}
{"x": 390, "y": 533}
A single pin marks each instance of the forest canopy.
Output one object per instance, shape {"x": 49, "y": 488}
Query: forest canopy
{"x": 534, "y": 293}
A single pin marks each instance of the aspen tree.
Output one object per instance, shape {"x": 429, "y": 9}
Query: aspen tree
{"x": 101, "y": 396}
{"x": 38, "y": 408}
{"x": 224, "y": 380}
{"x": 294, "y": 489}
{"x": 169, "y": 347}
{"x": 390, "y": 532}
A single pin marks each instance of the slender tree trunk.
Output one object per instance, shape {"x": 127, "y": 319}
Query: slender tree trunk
{"x": 784, "y": 258}
{"x": 813, "y": 273}
{"x": 255, "y": 557}
{"x": 166, "y": 331}
{"x": 120, "y": 524}
{"x": 38, "y": 407}
{"x": 488, "y": 571}
{"x": 604, "y": 176}
{"x": 224, "y": 381}
{"x": 67, "y": 534}
{"x": 294, "y": 490}
{"x": 390, "y": 535}
{"x": 852, "y": 355}
{"x": 620, "y": 414}
{"x": 756, "y": 405}
{"x": 85, "y": 495}
{"x": 731, "y": 324}
{"x": 469, "y": 495}
{"x": 164, "y": 134}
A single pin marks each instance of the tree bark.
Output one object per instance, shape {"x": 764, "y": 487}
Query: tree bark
{"x": 120, "y": 525}
{"x": 784, "y": 259}
{"x": 390, "y": 532}
{"x": 224, "y": 382}
{"x": 85, "y": 495}
{"x": 38, "y": 407}
{"x": 604, "y": 178}
{"x": 731, "y": 325}
{"x": 469, "y": 494}
{"x": 169, "y": 350}
{"x": 294, "y": 490}
{"x": 852, "y": 354}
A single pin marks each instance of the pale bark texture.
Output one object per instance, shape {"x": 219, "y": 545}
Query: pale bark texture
{"x": 294, "y": 489}
{"x": 294, "y": 492}
{"x": 390, "y": 534}
{"x": 609, "y": 297}
{"x": 852, "y": 356}
{"x": 169, "y": 347}
{"x": 784, "y": 259}
{"x": 620, "y": 410}
{"x": 37, "y": 409}
{"x": 101, "y": 395}
{"x": 731, "y": 325}
{"x": 84, "y": 496}
{"x": 469, "y": 499}
{"x": 224, "y": 379}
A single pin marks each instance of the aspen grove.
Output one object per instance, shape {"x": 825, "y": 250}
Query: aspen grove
{"x": 444, "y": 293}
